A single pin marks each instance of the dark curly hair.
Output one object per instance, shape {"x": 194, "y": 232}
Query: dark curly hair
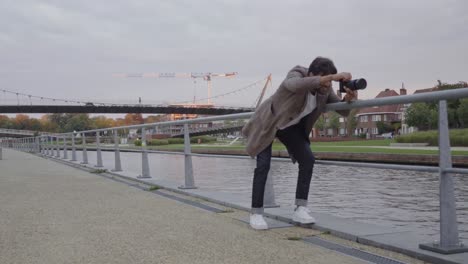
{"x": 322, "y": 66}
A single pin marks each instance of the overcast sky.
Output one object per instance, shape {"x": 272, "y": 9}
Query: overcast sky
{"x": 70, "y": 49}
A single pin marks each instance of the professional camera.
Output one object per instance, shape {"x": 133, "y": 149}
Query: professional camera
{"x": 357, "y": 84}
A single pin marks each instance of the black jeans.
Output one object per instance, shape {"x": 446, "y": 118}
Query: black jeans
{"x": 298, "y": 146}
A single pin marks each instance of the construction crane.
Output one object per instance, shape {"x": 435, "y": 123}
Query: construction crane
{"x": 268, "y": 81}
{"x": 194, "y": 75}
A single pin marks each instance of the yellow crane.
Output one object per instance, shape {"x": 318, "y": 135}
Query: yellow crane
{"x": 193, "y": 75}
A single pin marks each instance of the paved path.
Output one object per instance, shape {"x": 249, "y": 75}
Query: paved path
{"x": 52, "y": 213}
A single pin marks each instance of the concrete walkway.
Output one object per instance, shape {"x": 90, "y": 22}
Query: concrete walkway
{"x": 52, "y": 213}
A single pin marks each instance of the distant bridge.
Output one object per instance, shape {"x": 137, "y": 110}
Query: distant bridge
{"x": 21, "y": 133}
{"x": 121, "y": 109}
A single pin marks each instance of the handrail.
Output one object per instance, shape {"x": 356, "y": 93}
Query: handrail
{"x": 449, "y": 239}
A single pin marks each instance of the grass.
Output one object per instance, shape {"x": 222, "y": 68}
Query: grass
{"x": 294, "y": 238}
{"x": 359, "y": 146}
{"x": 378, "y": 142}
{"x": 154, "y": 188}
{"x": 339, "y": 147}
{"x": 99, "y": 171}
{"x": 226, "y": 211}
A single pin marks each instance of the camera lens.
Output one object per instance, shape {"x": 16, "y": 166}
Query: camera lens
{"x": 360, "y": 84}
{"x": 357, "y": 84}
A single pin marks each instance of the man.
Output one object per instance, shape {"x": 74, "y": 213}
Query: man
{"x": 290, "y": 114}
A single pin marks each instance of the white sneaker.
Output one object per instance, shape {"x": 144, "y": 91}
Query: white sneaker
{"x": 258, "y": 222}
{"x": 302, "y": 215}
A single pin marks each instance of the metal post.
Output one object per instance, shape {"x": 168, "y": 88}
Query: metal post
{"x": 57, "y": 153}
{"x": 98, "y": 151}
{"x": 145, "y": 172}
{"x": 1, "y": 152}
{"x": 73, "y": 147}
{"x": 85, "y": 152}
{"x": 37, "y": 145}
{"x": 117, "y": 164}
{"x": 269, "y": 195}
{"x": 65, "y": 151}
{"x": 449, "y": 240}
{"x": 46, "y": 145}
{"x": 41, "y": 145}
{"x": 189, "y": 181}
{"x": 49, "y": 146}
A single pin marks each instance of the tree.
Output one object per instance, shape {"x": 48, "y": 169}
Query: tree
{"x": 425, "y": 115}
{"x": 462, "y": 113}
{"x": 351, "y": 121}
{"x": 78, "y": 122}
{"x": 59, "y": 121}
{"x": 47, "y": 125}
{"x": 422, "y": 116}
{"x": 133, "y": 119}
{"x": 21, "y": 122}
{"x": 5, "y": 122}
{"x": 333, "y": 121}
{"x": 102, "y": 122}
{"x": 384, "y": 127}
{"x": 154, "y": 119}
{"x": 320, "y": 123}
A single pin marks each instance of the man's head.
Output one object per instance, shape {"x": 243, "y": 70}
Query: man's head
{"x": 322, "y": 66}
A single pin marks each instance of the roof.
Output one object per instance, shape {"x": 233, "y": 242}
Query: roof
{"x": 433, "y": 89}
{"x": 384, "y": 108}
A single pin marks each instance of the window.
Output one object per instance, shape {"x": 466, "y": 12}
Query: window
{"x": 376, "y": 118}
{"x": 341, "y": 119}
{"x": 399, "y": 116}
{"x": 363, "y": 119}
{"x": 330, "y": 132}
{"x": 385, "y": 118}
{"x": 374, "y": 130}
{"x": 342, "y": 131}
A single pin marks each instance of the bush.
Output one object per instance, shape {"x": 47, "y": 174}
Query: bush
{"x": 458, "y": 137}
{"x": 158, "y": 142}
{"x": 175, "y": 140}
{"x": 203, "y": 139}
{"x": 137, "y": 143}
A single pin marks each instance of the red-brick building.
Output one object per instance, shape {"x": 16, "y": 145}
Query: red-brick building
{"x": 389, "y": 114}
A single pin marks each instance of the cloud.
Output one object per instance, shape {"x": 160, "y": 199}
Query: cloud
{"x": 71, "y": 48}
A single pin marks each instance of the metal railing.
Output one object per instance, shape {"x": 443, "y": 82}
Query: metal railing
{"x": 22, "y": 132}
{"x": 449, "y": 238}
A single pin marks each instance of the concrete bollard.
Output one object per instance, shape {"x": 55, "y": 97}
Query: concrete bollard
{"x": 117, "y": 164}
{"x": 98, "y": 151}
{"x": 73, "y": 147}
{"x": 145, "y": 172}
{"x": 65, "y": 151}
{"x": 189, "y": 180}
{"x": 85, "y": 152}
{"x": 57, "y": 145}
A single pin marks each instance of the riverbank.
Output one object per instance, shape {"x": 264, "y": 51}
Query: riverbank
{"x": 372, "y": 154}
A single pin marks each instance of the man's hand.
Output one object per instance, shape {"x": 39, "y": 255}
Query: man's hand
{"x": 342, "y": 76}
{"x": 350, "y": 95}
{"x": 325, "y": 81}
